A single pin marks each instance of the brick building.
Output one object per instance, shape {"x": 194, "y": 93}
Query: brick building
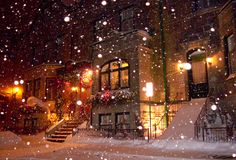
{"x": 195, "y": 34}
{"x": 121, "y": 39}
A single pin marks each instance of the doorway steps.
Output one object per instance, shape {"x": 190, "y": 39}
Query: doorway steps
{"x": 63, "y": 131}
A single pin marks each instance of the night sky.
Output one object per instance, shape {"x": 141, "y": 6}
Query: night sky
{"x": 16, "y": 20}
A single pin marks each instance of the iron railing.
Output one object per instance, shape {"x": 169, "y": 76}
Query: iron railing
{"x": 116, "y": 133}
{"x": 215, "y": 134}
{"x": 226, "y": 133}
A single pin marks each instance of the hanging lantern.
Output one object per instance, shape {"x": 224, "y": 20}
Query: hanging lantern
{"x": 87, "y": 78}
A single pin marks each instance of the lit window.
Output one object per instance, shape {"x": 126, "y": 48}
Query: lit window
{"x": 114, "y": 75}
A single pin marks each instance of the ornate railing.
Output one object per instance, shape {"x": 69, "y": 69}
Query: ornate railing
{"x": 206, "y": 130}
{"x": 53, "y": 128}
{"x": 116, "y": 133}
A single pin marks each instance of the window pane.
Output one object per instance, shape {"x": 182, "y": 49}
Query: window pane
{"x": 127, "y": 14}
{"x": 104, "y": 81}
{"x": 115, "y": 65}
{"x": 50, "y": 88}
{"x": 124, "y": 64}
{"x": 123, "y": 120}
{"x": 124, "y": 82}
{"x": 231, "y": 43}
{"x": 37, "y": 88}
{"x": 105, "y": 119}
{"x": 127, "y": 25}
{"x": 105, "y": 68}
{"x": 114, "y": 80}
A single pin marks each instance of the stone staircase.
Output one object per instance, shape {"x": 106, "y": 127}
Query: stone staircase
{"x": 63, "y": 131}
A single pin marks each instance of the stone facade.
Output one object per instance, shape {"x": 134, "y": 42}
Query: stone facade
{"x": 129, "y": 31}
{"x": 36, "y": 83}
{"x": 189, "y": 29}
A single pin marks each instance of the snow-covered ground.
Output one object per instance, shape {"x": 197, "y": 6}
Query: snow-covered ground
{"x": 84, "y": 147}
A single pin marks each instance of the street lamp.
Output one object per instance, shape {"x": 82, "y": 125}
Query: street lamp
{"x": 149, "y": 94}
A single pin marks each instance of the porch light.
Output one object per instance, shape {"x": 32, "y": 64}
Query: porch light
{"x": 209, "y": 60}
{"x": 149, "y": 89}
{"x": 184, "y": 66}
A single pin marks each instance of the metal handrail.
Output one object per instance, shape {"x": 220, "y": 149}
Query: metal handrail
{"x": 53, "y": 128}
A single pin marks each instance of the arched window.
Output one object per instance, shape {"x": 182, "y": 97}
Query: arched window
{"x": 114, "y": 75}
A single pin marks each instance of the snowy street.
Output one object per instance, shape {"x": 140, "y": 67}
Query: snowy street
{"x": 95, "y": 148}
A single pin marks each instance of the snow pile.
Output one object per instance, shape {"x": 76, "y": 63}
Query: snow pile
{"x": 164, "y": 144}
{"x": 83, "y": 125}
{"x": 192, "y": 145}
{"x": 8, "y": 138}
{"x": 182, "y": 125}
{"x": 32, "y": 101}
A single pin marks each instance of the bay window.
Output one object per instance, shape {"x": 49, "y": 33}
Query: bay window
{"x": 114, "y": 75}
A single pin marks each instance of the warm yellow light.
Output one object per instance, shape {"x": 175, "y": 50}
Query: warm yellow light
{"x": 209, "y": 60}
{"x": 16, "y": 90}
{"x": 74, "y": 88}
{"x": 90, "y": 72}
{"x": 82, "y": 90}
{"x": 184, "y": 66}
{"x": 149, "y": 89}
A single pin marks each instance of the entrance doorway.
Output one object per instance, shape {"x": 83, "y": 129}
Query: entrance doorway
{"x": 198, "y": 77}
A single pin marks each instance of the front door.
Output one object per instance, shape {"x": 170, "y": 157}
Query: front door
{"x": 198, "y": 79}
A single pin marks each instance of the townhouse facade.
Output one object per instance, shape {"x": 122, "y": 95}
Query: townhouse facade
{"x": 122, "y": 42}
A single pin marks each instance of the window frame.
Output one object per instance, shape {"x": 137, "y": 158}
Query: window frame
{"x": 199, "y": 5}
{"x": 123, "y": 20}
{"x": 105, "y": 124}
{"x": 38, "y": 89}
{"x": 48, "y": 87}
{"x": 126, "y": 124}
{"x": 28, "y": 87}
{"x": 227, "y": 55}
{"x": 110, "y": 71}
{"x": 100, "y": 32}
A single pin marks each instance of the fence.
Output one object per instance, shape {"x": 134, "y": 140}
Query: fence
{"x": 116, "y": 133}
{"x": 215, "y": 134}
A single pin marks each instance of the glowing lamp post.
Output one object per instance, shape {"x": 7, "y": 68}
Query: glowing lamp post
{"x": 149, "y": 94}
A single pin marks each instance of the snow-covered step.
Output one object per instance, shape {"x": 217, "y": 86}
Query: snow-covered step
{"x": 69, "y": 126}
{"x": 59, "y": 135}
{"x": 182, "y": 125}
{"x": 66, "y": 129}
{"x": 56, "y": 139}
{"x": 63, "y": 132}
